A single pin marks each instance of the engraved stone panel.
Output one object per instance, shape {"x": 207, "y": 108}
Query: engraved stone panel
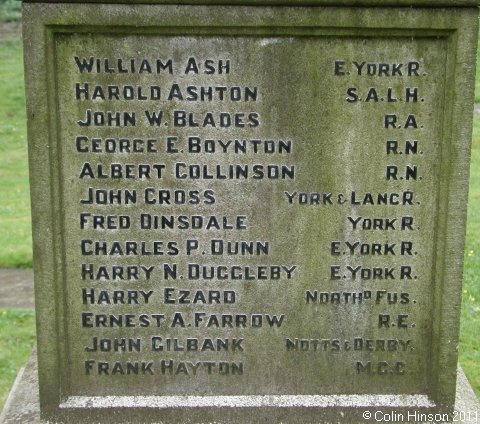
{"x": 242, "y": 212}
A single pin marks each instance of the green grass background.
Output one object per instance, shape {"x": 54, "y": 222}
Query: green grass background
{"x": 17, "y": 333}
{"x": 15, "y": 231}
{"x": 17, "y": 337}
{"x": 10, "y": 10}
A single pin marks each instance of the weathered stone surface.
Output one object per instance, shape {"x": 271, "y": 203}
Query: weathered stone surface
{"x": 356, "y": 3}
{"x": 23, "y": 403}
{"x": 247, "y": 214}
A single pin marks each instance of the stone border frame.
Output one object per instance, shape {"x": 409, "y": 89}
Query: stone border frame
{"x": 336, "y": 3}
{"x": 41, "y": 24}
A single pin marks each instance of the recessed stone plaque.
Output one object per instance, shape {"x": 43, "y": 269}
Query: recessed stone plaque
{"x": 247, "y": 214}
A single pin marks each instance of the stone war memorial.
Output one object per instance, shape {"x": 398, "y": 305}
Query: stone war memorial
{"x": 248, "y": 211}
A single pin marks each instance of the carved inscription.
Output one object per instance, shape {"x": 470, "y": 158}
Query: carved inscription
{"x": 233, "y": 220}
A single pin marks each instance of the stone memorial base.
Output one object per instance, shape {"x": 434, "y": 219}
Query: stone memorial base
{"x": 248, "y": 211}
{"x": 22, "y": 404}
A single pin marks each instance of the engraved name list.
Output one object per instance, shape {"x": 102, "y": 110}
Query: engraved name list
{"x": 229, "y": 229}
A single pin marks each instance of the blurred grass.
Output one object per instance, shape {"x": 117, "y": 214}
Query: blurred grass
{"x": 10, "y": 10}
{"x": 15, "y": 222}
{"x": 17, "y": 337}
{"x": 469, "y": 354}
{"x": 17, "y": 327}
{"x": 477, "y": 77}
